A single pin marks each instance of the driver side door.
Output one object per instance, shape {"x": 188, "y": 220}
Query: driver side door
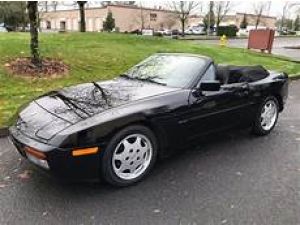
{"x": 211, "y": 111}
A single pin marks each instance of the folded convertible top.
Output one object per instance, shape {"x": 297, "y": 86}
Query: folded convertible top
{"x": 237, "y": 74}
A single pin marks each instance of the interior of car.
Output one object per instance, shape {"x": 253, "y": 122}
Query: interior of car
{"x": 228, "y": 74}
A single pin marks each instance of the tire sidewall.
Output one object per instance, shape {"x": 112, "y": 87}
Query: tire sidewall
{"x": 258, "y": 129}
{"x": 106, "y": 166}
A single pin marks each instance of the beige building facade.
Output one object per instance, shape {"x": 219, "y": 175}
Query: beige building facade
{"x": 130, "y": 18}
{"x": 127, "y": 18}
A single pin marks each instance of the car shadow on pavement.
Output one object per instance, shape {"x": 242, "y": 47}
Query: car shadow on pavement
{"x": 166, "y": 170}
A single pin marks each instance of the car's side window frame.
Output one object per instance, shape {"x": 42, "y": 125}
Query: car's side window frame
{"x": 211, "y": 65}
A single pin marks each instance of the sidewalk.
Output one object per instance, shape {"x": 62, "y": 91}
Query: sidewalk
{"x": 279, "y": 46}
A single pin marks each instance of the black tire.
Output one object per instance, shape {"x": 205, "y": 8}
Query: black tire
{"x": 107, "y": 171}
{"x": 257, "y": 128}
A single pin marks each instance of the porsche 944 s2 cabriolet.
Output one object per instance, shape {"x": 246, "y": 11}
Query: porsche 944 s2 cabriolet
{"x": 116, "y": 129}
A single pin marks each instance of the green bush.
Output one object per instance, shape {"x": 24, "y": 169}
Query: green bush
{"x": 158, "y": 34}
{"x": 109, "y": 23}
{"x": 229, "y": 31}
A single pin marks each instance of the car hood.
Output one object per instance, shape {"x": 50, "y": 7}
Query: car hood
{"x": 44, "y": 117}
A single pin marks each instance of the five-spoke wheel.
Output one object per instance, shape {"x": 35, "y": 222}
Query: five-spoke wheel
{"x": 267, "y": 116}
{"x": 132, "y": 156}
{"x": 129, "y": 156}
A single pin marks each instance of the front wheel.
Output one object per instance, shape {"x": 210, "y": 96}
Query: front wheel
{"x": 266, "y": 117}
{"x": 129, "y": 156}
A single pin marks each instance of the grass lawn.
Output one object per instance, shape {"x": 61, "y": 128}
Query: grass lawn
{"x": 95, "y": 56}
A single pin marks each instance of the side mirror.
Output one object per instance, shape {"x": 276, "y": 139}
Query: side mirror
{"x": 210, "y": 86}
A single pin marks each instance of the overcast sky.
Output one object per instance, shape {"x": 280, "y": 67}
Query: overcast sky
{"x": 247, "y": 6}
{"x": 237, "y": 6}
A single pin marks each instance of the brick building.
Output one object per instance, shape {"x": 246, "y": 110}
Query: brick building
{"x": 130, "y": 18}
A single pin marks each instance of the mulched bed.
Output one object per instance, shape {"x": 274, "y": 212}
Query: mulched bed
{"x": 48, "y": 68}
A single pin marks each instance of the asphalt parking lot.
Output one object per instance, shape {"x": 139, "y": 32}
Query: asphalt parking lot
{"x": 232, "y": 178}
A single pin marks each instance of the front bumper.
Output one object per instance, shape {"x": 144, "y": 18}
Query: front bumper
{"x": 58, "y": 161}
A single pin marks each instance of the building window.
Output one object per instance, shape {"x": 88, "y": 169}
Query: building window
{"x": 48, "y": 25}
{"x": 153, "y": 16}
{"x": 62, "y": 26}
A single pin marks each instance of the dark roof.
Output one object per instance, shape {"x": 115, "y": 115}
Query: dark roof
{"x": 119, "y": 6}
{"x": 250, "y": 14}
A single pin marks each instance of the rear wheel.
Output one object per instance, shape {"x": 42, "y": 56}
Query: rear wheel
{"x": 267, "y": 116}
{"x": 129, "y": 156}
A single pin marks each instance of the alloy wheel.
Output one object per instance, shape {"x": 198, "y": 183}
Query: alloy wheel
{"x": 132, "y": 156}
{"x": 268, "y": 115}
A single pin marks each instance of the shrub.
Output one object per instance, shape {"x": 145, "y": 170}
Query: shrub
{"x": 229, "y": 31}
{"x": 109, "y": 23}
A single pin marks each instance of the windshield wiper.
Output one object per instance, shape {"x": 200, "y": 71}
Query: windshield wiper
{"x": 147, "y": 79}
{"x": 69, "y": 102}
{"x": 150, "y": 79}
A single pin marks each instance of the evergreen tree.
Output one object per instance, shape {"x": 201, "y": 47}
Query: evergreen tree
{"x": 109, "y": 23}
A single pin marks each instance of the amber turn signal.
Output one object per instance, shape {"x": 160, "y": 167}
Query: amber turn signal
{"x": 35, "y": 153}
{"x": 85, "y": 151}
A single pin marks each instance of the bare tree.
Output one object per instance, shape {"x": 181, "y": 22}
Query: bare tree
{"x": 260, "y": 8}
{"x": 221, "y": 10}
{"x": 32, "y": 7}
{"x": 183, "y": 9}
{"x": 82, "y": 15}
{"x": 142, "y": 16}
{"x": 285, "y": 11}
{"x": 209, "y": 19}
{"x": 54, "y": 5}
{"x": 169, "y": 21}
{"x": 44, "y": 6}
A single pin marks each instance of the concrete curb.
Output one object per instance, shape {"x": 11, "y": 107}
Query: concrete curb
{"x": 3, "y": 131}
{"x": 295, "y": 77}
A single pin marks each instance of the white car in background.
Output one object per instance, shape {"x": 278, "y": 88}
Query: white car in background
{"x": 196, "y": 30}
{"x": 3, "y": 29}
{"x": 164, "y": 32}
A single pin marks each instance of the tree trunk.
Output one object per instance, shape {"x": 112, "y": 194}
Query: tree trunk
{"x": 182, "y": 27}
{"x": 82, "y": 15}
{"x": 217, "y": 27}
{"x": 32, "y": 7}
{"x": 142, "y": 20}
{"x": 257, "y": 22}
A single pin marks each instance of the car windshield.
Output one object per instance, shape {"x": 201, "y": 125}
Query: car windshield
{"x": 169, "y": 70}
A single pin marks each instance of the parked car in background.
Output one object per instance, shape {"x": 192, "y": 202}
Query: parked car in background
{"x": 3, "y": 29}
{"x": 165, "y": 32}
{"x": 137, "y": 32}
{"x": 188, "y": 31}
{"x": 195, "y": 30}
{"x": 176, "y": 32}
{"x": 287, "y": 32}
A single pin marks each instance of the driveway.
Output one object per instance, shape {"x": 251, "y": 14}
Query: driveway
{"x": 232, "y": 178}
{"x": 278, "y": 46}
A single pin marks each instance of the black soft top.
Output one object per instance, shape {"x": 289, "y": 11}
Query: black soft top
{"x": 236, "y": 74}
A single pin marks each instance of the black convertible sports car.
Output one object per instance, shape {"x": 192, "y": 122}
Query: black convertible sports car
{"x": 117, "y": 129}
